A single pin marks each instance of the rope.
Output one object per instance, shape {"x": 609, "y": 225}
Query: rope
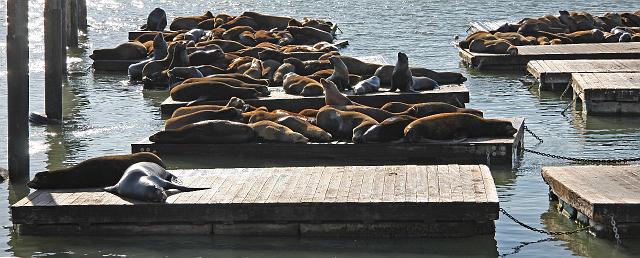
{"x": 583, "y": 160}
{"x": 551, "y": 233}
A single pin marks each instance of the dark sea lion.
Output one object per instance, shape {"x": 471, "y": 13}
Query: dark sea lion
{"x": 498, "y": 46}
{"x": 401, "y": 78}
{"x": 207, "y": 70}
{"x": 156, "y": 21}
{"x": 357, "y": 66}
{"x": 160, "y": 51}
{"x": 226, "y": 45}
{"x": 262, "y": 89}
{"x": 154, "y": 67}
{"x": 208, "y": 24}
{"x": 269, "y": 68}
{"x": 248, "y": 38}
{"x": 391, "y": 129}
{"x": 309, "y": 112}
{"x": 302, "y": 126}
{"x": 205, "y": 57}
{"x": 210, "y": 131}
{"x": 586, "y": 36}
{"x": 132, "y": 50}
{"x": 233, "y": 33}
{"x": 210, "y": 90}
{"x": 255, "y": 71}
{"x": 426, "y": 109}
{"x": 232, "y": 114}
{"x": 241, "y": 77}
{"x": 268, "y": 21}
{"x": 450, "y": 126}
{"x": 424, "y": 83}
{"x": 261, "y": 115}
{"x": 179, "y": 74}
{"x": 301, "y": 85}
{"x": 385, "y": 74}
{"x": 340, "y": 76}
{"x": 344, "y": 125}
{"x": 240, "y": 21}
{"x": 181, "y": 111}
{"x": 274, "y": 132}
{"x": 333, "y": 96}
{"x": 189, "y": 22}
{"x": 309, "y": 35}
{"x": 145, "y": 181}
{"x": 94, "y": 172}
{"x": 370, "y": 85}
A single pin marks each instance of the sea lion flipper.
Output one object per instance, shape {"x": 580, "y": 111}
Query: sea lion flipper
{"x": 170, "y": 185}
{"x": 111, "y": 189}
{"x": 197, "y": 101}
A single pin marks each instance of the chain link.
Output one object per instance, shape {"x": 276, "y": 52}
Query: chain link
{"x": 583, "y": 160}
{"x": 615, "y": 231}
{"x": 551, "y": 233}
{"x": 533, "y": 134}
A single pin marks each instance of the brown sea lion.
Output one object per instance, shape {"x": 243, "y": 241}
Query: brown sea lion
{"x": 284, "y": 69}
{"x": 344, "y": 125}
{"x": 132, "y": 50}
{"x": 302, "y": 126}
{"x": 357, "y": 66}
{"x": 340, "y": 75}
{"x": 301, "y": 85}
{"x": 181, "y": 111}
{"x": 226, "y": 45}
{"x": 378, "y": 114}
{"x": 210, "y": 131}
{"x": 274, "y": 132}
{"x": 426, "y": 109}
{"x": 240, "y": 21}
{"x": 385, "y": 74}
{"x": 586, "y": 36}
{"x": 232, "y": 114}
{"x": 241, "y": 77}
{"x": 263, "y": 89}
{"x": 450, "y": 126}
{"x": 260, "y": 115}
{"x": 391, "y": 129}
{"x": 189, "y": 22}
{"x": 233, "y": 33}
{"x": 94, "y": 172}
{"x": 499, "y": 46}
{"x": 333, "y": 96}
{"x": 268, "y": 21}
{"x": 309, "y": 112}
{"x": 255, "y": 71}
{"x": 210, "y": 90}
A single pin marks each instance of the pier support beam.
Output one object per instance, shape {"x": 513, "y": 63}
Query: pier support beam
{"x": 72, "y": 23}
{"x": 53, "y": 57}
{"x": 82, "y": 16}
{"x": 18, "y": 89}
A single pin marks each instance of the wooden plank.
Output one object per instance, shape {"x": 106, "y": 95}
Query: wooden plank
{"x": 489, "y": 185}
{"x": 478, "y": 184}
{"x": 456, "y": 183}
{"x": 422, "y": 184}
{"x": 356, "y": 186}
{"x": 444, "y": 183}
{"x": 411, "y": 192}
{"x": 434, "y": 183}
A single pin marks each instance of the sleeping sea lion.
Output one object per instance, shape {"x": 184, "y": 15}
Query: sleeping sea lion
{"x": 94, "y": 172}
{"x": 367, "y": 86}
{"x": 391, "y": 129}
{"x": 145, "y": 181}
{"x": 227, "y": 113}
{"x": 423, "y": 83}
{"x": 210, "y": 131}
{"x": 210, "y": 90}
{"x": 301, "y": 85}
{"x": 255, "y": 71}
{"x": 450, "y": 126}
{"x": 132, "y": 50}
{"x": 302, "y": 126}
{"x": 344, "y": 125}
{"x": 189, "y": 22}
{"x": 274, "y": 132}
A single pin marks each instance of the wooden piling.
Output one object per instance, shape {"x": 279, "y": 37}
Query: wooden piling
{"x": 72, "y": 23}
{"x": 63, "y": 61}
{"x": 53, "y": 37}
{"x": 18, "y": 89}
{"x": 82, "y": 16}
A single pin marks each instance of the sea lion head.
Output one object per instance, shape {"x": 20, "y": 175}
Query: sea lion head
{"x": 45, "y": 179}
{"x": 403, "y": 59}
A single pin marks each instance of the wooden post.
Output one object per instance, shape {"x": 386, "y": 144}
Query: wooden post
{"x": 18, "y": 89}
{"x": 63, "y": 61}
{"x": 72, "y": 23}
{"x": 82, "y": 16}
{"x": 53, "y": 73}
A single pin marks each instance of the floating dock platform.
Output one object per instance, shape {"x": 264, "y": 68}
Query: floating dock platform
{"x": 592, "y": 195}
{"x": 453, "y": 94}
{"x": 113, "y": 65}
{"x": 555, "y": 75}
{"x": 476, "y": 26}
{"x": 387, "y": 201}
{"x": 484, "y": 61}
{"x": 490, "y": 151}
{"x": 607, "y": 93}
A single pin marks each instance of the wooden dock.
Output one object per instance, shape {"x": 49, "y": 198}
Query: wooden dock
{"x": 484, "y": 61}
{"x": 591, "y": 195}
{"x": 382, "y": 201}
{"x": 556, "y": 74}
{"x": 490, "y": 151}
{"x": 454, "y": 94}
{"x": 113, "y": 65}
{"x": 476, "y": 26}
{"x": 607, "y": 93}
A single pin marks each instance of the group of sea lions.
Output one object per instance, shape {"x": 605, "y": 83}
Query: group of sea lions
{"x": 257, "y": 49}
{"x": 140, "y": 176}
{"x": 339, "y": 120}
{"x": 566, "y": 28}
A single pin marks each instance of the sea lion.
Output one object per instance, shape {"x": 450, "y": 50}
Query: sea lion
{"x": 309, "y": 112}
{"x": 160, "y": 51}
{"x": 132, "y": 50}
{"x": 340, "y": 76}
{"x": 357, "y": 66}
{"x": 94, "y": 172}
{"x": 302, "y": 126}
{"x": 498, "y": 46}
{"x": 426, "y": 109}
{"x": 301, "y": 85}
{"x": 181, "y": 111}
{"x": 189, "y": 22}
{"x": 194, "y": 35}
{"x": 145, "y": 181}
{"x": 210, "y": 90}
{"x": 309, "y": 35}
{"x": 269, "y": 68}
{"x": 333, "y": 96}
{"x": 232, "y": 114}
{"x": 156, "y": 21}
{"x": 255, "y": 71}
{"x": 262, "y": 89}
{"x": 178, "y": 74}
{"x": 240, "y": 21}
{"x": 401, "y": 78}
{"x": 154, "y": 67}
{"x": 227, "y": 46}
{"x": 241, "y": 77}
{"x": 268, "y": 21}
{"x": 450, "y": 126}
{"x": 210, "y": 131}
{"x": 207, "y": 70}
{"x": 585, "y": 36}
{"x": 385, "y": 74}
{"x": 233, "y": 33}
{"x": 391, "y": 129}
{"x": 370, "y": 85}
{"x": 274, "y": 132}
{"x": 344, "y": 125}
{"x": 424, "y": 83}
{"x": 377, "y": 114}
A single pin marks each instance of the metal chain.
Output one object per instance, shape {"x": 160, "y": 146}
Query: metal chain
{"x": 552, "y": 233}
{"x": 583, "y": 160}
{"x": 615, "y": 231}
{"x": 533, "y": 134}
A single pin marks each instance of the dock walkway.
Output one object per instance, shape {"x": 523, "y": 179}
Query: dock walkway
{"x": 388, "y": 201}
{"x": 594, "y": 194}
{"x": 556, "y": 74}
{"x": 485, "y": 61}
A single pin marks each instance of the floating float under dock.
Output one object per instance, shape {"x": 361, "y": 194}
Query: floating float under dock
{"x": 555, "y": 75}
{"x": 384, "y": 201}
{"x": 453, "y": 94}
{"x": 501, "y": 152}
{"x": 592, "y": 195}
{"x": 485, "y": 61}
